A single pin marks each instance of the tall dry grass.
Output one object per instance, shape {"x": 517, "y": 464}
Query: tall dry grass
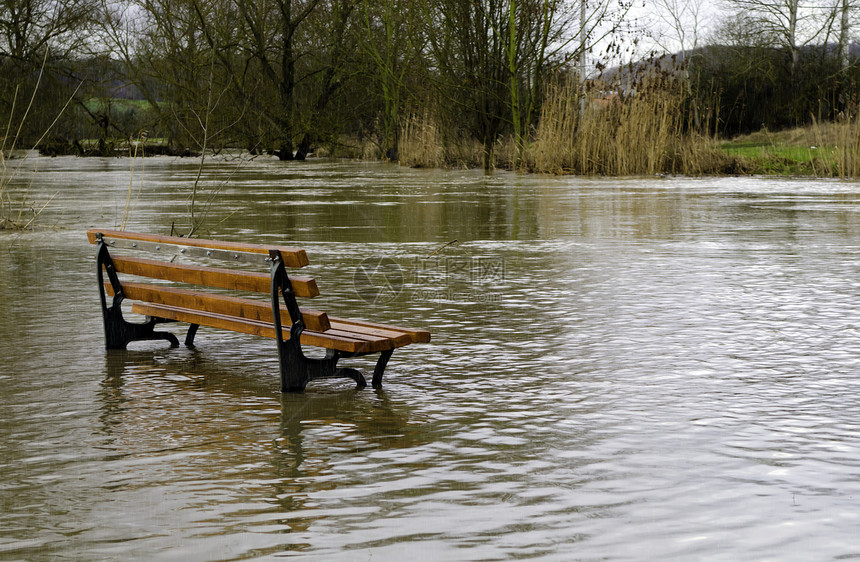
{"x": 838, "y": 145}
{"x": 426, "y": 143}
{"x": 420, "y": 143}
{"x": 644, "y": 130}
{"x": 14, "y": 214}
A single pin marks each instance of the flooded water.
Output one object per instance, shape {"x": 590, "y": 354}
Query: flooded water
{"x": 620, "y": 369}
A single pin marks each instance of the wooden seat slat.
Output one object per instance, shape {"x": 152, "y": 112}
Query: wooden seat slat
{"x": 329, "y": 340}
{"x": 398, "y": 338}
{"x": 292, "y": 257}
{"x": 250, "y": 281}
{"x": 373, "y": 339}
{"x": 415, "y": 336}
{"x": 219, "y": 304}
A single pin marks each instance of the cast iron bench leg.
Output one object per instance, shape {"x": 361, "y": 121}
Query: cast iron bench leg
{"x": 353, "y": 374}
{"x": 297, "y": 370}
{"x": 380, "y": 368}
{"x": 119, "y": 332}
{"x": 189, "y": 336}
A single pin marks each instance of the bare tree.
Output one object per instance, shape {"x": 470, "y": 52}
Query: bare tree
{"x": 845, "y": 11}
{"x": 390, "y": 42}
{"x": 41, "y": 38}
{"x": 161, "y": 47}
{"x": 680, "y": 21}
{"x": 29, "y": 27}
{"x": 787, "y": 23}
{"x": 491, "y": 57}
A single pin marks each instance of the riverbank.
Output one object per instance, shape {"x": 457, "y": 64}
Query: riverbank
{"x": 820, "y": 150}
{"x": 652, "y": 133}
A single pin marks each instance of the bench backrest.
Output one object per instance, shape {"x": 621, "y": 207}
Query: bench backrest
{"x": 203, "y": 275}
{"x": 231, "y": 251}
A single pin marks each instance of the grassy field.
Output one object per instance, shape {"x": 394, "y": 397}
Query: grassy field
{"x": 96, "y": 104}
{"x": 821, "y": 149}
{"x": 777, "y": 159}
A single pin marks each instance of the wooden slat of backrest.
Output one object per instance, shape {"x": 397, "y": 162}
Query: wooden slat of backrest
{"x": 292, "y": 257}
{"x": 326, "y": 340}
{"x": 219, "y": 304}
{"x": 210, "y": 276}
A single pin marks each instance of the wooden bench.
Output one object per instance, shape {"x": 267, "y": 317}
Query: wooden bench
{"x": 172, "y": 299}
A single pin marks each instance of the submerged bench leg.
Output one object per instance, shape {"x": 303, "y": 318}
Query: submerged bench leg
{"x": 380, "y": 368}
{"x": 353, "y": 374}
{"x": 297, "y": 370}
{"x": 119, "y": 332}
{"x": 189, "y": 336}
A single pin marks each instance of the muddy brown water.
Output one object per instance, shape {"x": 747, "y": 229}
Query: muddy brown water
{"x": 621, "y": 369}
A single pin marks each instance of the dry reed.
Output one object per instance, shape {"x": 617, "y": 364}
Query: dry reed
{"x": 643, "y": 131}
{"x": 420, "y": 143}
{"x": 646, "y": 130}
{"x": 426, "y": 143}
{"x": 838, "y": 145}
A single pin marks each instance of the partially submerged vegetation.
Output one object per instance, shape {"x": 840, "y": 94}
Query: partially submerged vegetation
{"x": 19, "y": 214}
{"x": 601, "y": 132}
{"x": 594, "y": 131}
{"x": 492, "y": 83}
